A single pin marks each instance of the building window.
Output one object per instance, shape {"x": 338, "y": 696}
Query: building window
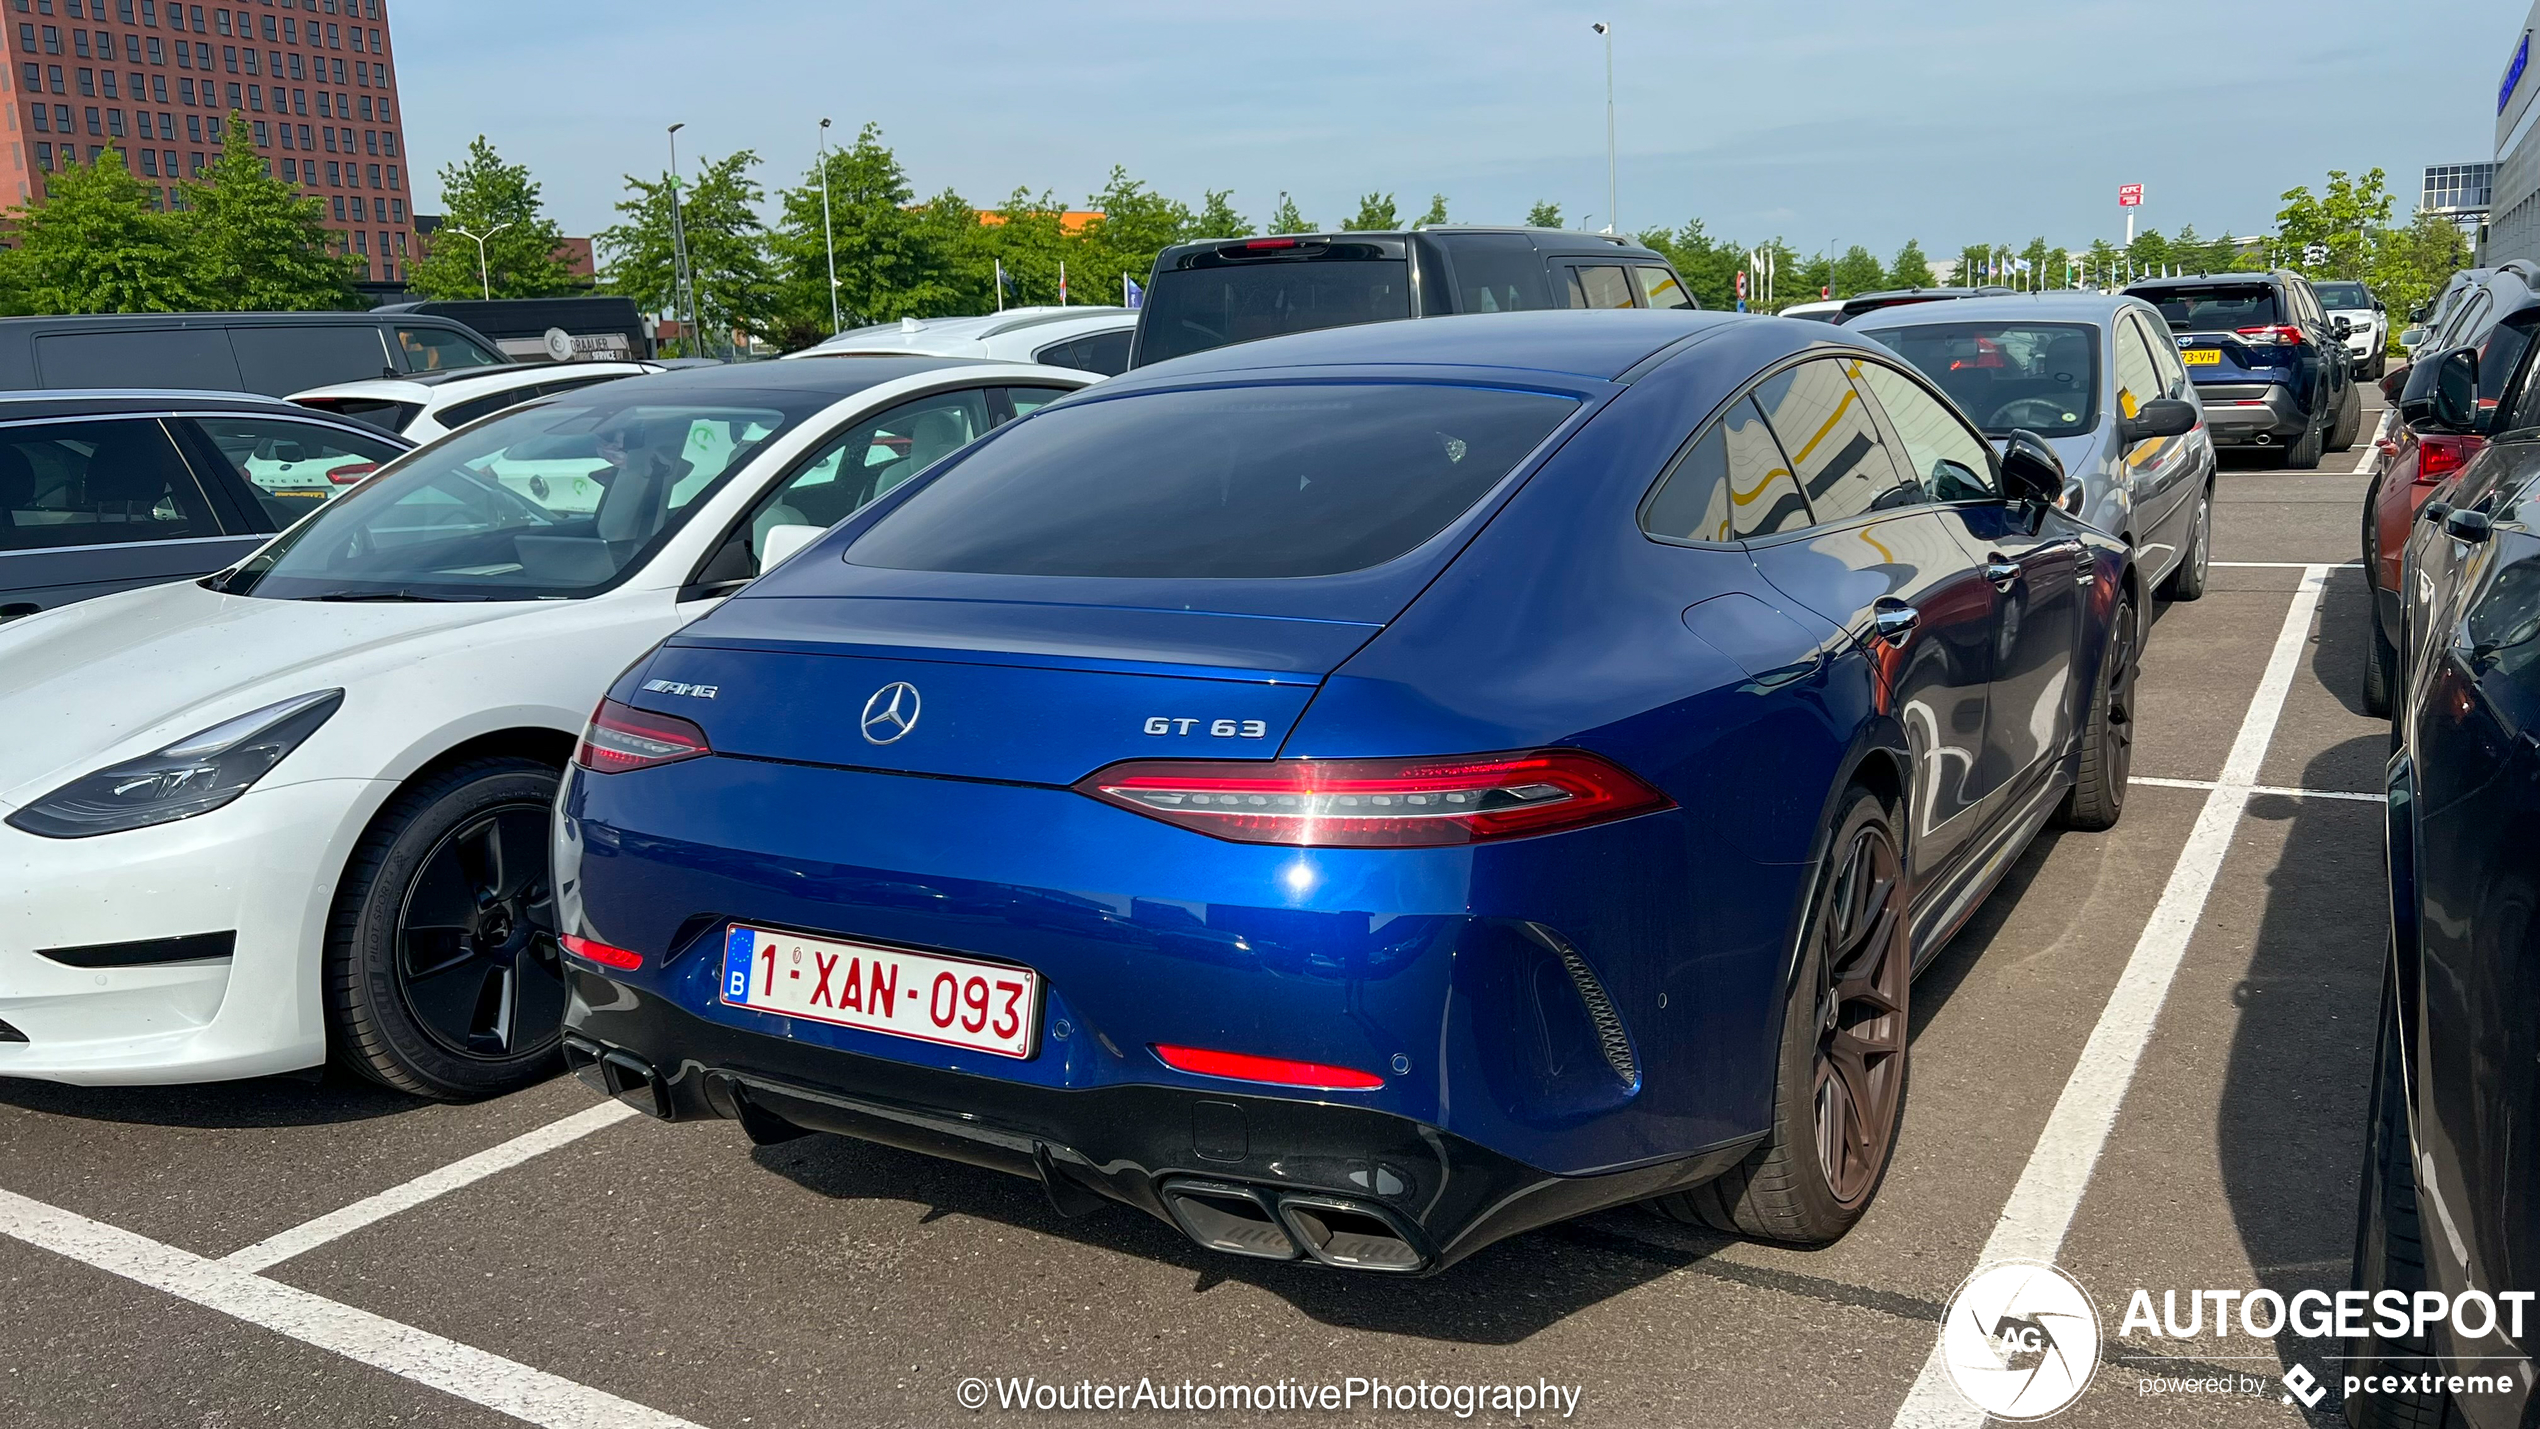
{"x": 43, "y": 120}
{"x": 374, "y": 176}
{"x": 338, "y": 68}
{"x": 339, "y": 208}
{"x": 96, "y": 122}
{"x": 304, "y": 138}
{"x": 111, "y": 86}
{"x": 158, "y": 51}
{"x": 88, "y": 81}
{"x": 256, "y": 98}
{"x": 114, "y": 122}
{"x": 194, "y": 164}
{"x": 194, "y": 128}
{"x": 44, "y": 156}
{"x": 158, "y": 89}
{"x": 150, "y": 162}
{"x": 299, "y": 101}
{"x": 185, "y": 91}
{"x": 79, "y": 43}
{"x": 262, "y": 138}
{"x": 52, "y": 41}
{"x": 299, "y": 65}
{"x": 397, "y": 214}
{"x": 53, "y": 78}
{"x": 220, "y": 20}
{"x": 233, "y": 95}
{"x": 203, "y": 57}
{"x": 361, "y": 210}
{"x": 250, "y": 56}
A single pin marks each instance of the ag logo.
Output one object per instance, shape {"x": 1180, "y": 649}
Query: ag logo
{"x": 891, "y": 713}
{"x": 2021, "y": 1340}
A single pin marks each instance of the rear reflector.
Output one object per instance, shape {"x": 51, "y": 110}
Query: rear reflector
{"x": 1276, "y": 1071}
{"x": 601, "y": 953}
{"x": 1379, "y": 803}
{"x": 622, "y": 737}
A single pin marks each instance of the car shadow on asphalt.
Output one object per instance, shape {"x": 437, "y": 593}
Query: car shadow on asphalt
{"x": 217, "y": 1106}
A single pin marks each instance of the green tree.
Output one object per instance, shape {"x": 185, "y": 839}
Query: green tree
{"x": 1136, "y": 224}
{"x": 1911, "y": 269}
{"x": 2059, "y": 269}
{"x": 1812, "y": 281}
{"x": 1544, "y": 214}
{"x": 2042, "y": 263}
{"x": 1286, "y": 219}
{"x": 2331, "y": 235}
{"x": 869, "y": 221}
{"x": 1218, "y": 219}
{"x": 2149, "y": 253}
{"x": 727, "y": 249}
{"x": 256, "y": 244}
{"x": 2410, "y": 265}
{"x": 480, "y": 194}
{"x": 1029, "y": 236}
{"x": 97, "y": 246}
{"x": 1858, "y": 271}
{"x": 2100, "y": 265}
{"x": 1375, "y": 215}
{"x": 1436, "y": 214}
{"x": 1708, "y": 265}
{"x": 1971, "y": 261}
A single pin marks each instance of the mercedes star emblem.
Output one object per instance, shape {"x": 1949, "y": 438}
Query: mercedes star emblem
{"x": 891, "y": 713}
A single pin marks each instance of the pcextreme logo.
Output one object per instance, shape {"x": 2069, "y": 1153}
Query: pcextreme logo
{"x": 2021, "y": 1340}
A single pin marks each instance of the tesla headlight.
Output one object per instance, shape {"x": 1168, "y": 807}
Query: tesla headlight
{"x": 195, "y": 775}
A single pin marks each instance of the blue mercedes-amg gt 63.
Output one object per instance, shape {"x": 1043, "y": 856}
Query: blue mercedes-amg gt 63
{"x": 1359, "y": 795}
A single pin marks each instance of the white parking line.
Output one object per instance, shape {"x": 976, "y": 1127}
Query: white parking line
{"x": 463, "y": 1371}
{"x": 2277, "y": 789}
{"x": 2289, "y": 565}
{"x": 309, "y": 1235}
{"x": 2040, "y": 1211}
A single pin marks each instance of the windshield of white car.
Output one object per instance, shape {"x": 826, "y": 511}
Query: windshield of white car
{"x": 553, "y": 501}
{"x": 2341, "y": 295}
{"x": 2007, "y": 375}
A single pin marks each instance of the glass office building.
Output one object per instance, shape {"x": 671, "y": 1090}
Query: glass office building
{"x": 2513, "y": 223}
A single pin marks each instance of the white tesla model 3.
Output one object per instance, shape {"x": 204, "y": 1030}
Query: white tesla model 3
{"x": 300, "y": 807}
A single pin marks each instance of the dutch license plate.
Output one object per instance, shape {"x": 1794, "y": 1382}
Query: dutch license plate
{"x": 2201, "y": 356}
{"x": 986, "y": 1007}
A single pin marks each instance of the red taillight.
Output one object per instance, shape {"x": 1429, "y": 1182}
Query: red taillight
{"x": 1260, "y": 245}
{"x": 352, "y": 475}
{"x": 1379, "y": 803}
{"x": 622, "y": 737}
{"x": 1278, "y": 1071}
{"x": 2440, "y": 456}
{"x": 2273, "y": 333}
{"x": 602, "y": 953}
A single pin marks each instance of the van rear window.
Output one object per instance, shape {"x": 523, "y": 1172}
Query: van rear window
{"x": 1195, "y": 309}
{"x": 1229, "y": 483}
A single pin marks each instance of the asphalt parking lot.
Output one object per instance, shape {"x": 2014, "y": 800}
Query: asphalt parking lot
{"x": 2146, "y": 1060}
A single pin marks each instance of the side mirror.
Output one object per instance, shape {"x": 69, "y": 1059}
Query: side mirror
{"x": 2394, "y": 382}
{"x": 783, "y": 541}
{"x": 2413, "y": 337}
{"x": 2468, "y": 526}
{"x": 2434, "y": 512}
{"x": 2160, "y": 417}
{"x": 2442, "y": 392}
{"x": 2030, "y": 469}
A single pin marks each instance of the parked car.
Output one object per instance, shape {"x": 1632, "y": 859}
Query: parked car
{"x": 594, "y": 328}
{"x": 414, "y": 660}
{"x": 1825, "y": 311}
{"x": 1093, "y": 339}
{"x": 104, "y": 491}
{"x": 2452, "y": 1145}
{"x": 2495, "y": 320}
{"x": 2423, "y": 322}
{"x": 2367, "y": 324}
{"x": 431, "y": 404}
{"x": 1177, "y": 874}
{"x": 2098, "y": 376}
{"x": 1860, "y": 303}
{"x": 271, "y": 353}
{"x": 2270, "y": 365}
{"x": 1208, "y": 294}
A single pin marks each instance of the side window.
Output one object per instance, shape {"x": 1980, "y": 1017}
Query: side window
{"x": 437, "y": 349}
{"x": 1659, "y": 288}
{"x": 1599, "y": 286}
{"x": 1028, "y": 400}
{"x": 2501, "y": 353}
{"x": 1950, "y": 462}
{"x": 292, "y": 468}
{"x": 865, "y": 462}
{"x": 2156, "y": 336}
{"x": 1498, "y": 273}
{"x": 1103, "y": 352}
{"x": 2138, "y": 380}
{"x": 1831, "y": 438}
{"x": 1731, "y": 483}
{"x": 96, "y": 484}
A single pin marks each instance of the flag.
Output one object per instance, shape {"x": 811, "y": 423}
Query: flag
{"x": 1062, "y": 282}
{"x": 1003, "y": 283}
{"x": 1132, "y": 296}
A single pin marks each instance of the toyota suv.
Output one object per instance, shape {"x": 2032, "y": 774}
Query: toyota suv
{"x": 2270, "y": 365}
{"x": 1208, "y": 294}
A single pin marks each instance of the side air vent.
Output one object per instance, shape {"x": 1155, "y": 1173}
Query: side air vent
{"x": 191, "y": 948}
{"x": 1610, "y": 1037}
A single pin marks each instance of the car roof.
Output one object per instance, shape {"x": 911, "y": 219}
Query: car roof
{"x": 1600, "y": 344}
{"x": 929, "y": 332}
{"x": 1546, "y": 239}
{"x": 2062, "y": 306}
{"x": 849, "y": 374}
{"x": 420, "y": 386}
{"x": 2207, "y": 280}
{"x": 115, "y": 401}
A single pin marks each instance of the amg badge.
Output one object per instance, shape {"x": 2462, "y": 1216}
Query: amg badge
{"x": 675, "y": 687}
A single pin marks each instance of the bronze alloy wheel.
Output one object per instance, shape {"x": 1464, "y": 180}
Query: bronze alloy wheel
{"x": 477, "y": 959}
{"x": 1862, "y": 987}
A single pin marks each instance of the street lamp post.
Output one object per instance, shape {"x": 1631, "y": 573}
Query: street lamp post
{"x": 484, "y": 279}
{"x": 1611, "y": 221}
{"x": 684, "y": 288}
{"x": 828, "y": 236}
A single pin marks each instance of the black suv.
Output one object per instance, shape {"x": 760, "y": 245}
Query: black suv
{"x": 1206, "y": 295}
{"x": 2270, "y": 365}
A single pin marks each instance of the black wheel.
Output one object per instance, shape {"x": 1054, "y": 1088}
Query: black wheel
{"x": 443, "y": 977}
{"x": 2379, "y": 661}
{"x": 2389, "y": 1253}
{"x": 1840, "y": 1093}
{"x": 2349, "y": 421}
{"x": 2304, "y": 455}
{"x": 2188, "y": 581}
{"x": 2097, "y": 797}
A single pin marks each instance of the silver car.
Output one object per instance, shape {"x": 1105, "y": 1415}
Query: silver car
{"x": 2098, "y": 376}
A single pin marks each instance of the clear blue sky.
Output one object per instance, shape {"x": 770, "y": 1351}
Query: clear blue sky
{"x": 1839, "y": 121}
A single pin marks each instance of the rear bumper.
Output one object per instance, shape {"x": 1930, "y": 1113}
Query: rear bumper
{"x": 2270, "y": 419}
{"x": 1242, "y": 1173}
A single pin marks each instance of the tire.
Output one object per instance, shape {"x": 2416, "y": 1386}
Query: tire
{"x": 2097, "y": 798}
{"x": 2188, "y": 581}
{"x": 2350, "y": 421}
{"x": 2304, "y": 455}
{"x": 2389, "y": 1248}
{"x": 2379, "y": 663}
{"x": 1843, "y": 1053}
{"x": 442, "y": 973}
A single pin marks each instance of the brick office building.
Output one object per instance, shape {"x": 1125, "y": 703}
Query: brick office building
{"x": 314, "y": 80}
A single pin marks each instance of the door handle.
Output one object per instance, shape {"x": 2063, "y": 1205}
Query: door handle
{"x": 2001, "y": 570}
{"x": 1895, "y": 621}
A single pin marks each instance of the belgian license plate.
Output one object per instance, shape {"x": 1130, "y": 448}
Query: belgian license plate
{"x": 986, "y": 1007}
{"x": 2201, "y": 356}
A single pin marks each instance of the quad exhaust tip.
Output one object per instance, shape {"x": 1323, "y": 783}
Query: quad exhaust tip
{"x": 1249, "y": 1221}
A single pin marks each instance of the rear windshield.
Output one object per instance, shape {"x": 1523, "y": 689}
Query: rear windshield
{"x": 2224, "y": 307}
{"x": 2042, "y": 376}
{"x": 1194, "y": 309}
{"x": 2342, "y": 295}
{"x": 377, "y": 411}
{"x": 1253, "y": 482}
